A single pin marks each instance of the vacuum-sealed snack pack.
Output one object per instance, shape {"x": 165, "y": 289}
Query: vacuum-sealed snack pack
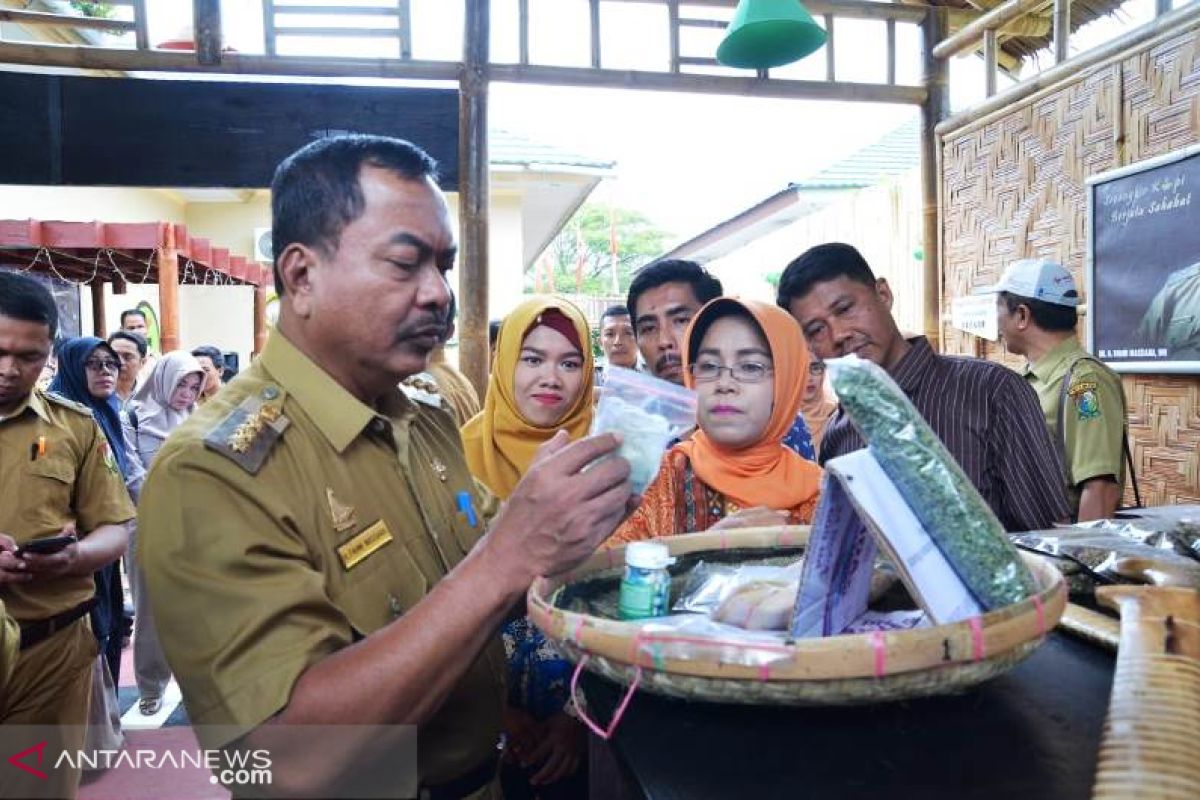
{"x": 939, "y": 493}
{"x": 649, "y": 413}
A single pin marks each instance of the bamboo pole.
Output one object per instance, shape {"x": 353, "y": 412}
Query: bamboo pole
{"x": 65, "y": 20}
{"x": 705, "y": 84}
{"x": 830, "y": 57}
{"x": 142, "y": 25}
{"x": 858, "y": 9}
{"x": 206, "y": 24}
{"x": 1062, "y": 30}
{"x": 1153, "y": 32}
{"x": 970, "y": 34}
{"x": 473, "y": 196}
{"x": 168, "y": 292}
{"x": 99, "y": 317}
{"x": 936, "y": 80}
{"x": 990, "y": 48}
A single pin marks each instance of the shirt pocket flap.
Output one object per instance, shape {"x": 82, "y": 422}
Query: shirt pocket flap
{"x": 382, "y": 591}
{"x": 57, "y": 468}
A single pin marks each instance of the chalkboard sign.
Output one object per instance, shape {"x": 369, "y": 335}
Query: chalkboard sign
{"x": 1143, "y": 266}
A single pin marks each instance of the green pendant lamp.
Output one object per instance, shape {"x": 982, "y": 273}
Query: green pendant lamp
{"x": 769, "y": 33}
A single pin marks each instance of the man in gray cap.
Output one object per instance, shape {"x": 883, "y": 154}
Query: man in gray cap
{"x": 1173, "y": 318}
{"x": 1082, "y": 399}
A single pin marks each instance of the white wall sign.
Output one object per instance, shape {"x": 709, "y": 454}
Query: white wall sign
{"x": 975, "y": 314}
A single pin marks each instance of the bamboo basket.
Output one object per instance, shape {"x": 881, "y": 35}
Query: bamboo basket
{"x": 837, "y": 670}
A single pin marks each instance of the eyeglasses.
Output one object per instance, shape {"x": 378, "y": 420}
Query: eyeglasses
{"x": 102, "y": 365}
{"x": 742, "y": 372}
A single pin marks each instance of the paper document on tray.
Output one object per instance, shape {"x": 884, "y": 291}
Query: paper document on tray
{"x": 926, "y": 572}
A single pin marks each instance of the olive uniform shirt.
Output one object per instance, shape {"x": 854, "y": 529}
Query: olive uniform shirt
{"x": 283, "y": 521}
{"x": 1094, "y": 416}
{"x": 56, "y": 468}
{"x": 1173, "y": 318}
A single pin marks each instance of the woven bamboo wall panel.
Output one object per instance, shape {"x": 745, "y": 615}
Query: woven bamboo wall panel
{"x": 1013, "y": 187}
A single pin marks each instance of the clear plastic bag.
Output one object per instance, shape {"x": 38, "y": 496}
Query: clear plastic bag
{"x": 1111, "y": 552}
{"x": 649, "y": 413}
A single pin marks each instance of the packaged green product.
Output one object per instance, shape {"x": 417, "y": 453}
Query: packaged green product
{"x": 939, "y": 493}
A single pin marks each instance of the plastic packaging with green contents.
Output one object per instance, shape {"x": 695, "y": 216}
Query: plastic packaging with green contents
{"x": 648, "y": 413}
{"x": 939, "y": 493}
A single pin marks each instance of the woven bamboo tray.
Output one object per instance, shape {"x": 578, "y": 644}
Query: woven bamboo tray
{"x": 837, "y": 670}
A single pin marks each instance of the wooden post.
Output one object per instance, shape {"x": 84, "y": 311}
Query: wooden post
{"x": 260, "y": 318}
{"x": 936, "y": 80}
{"x": 673, "y": 25}
{"x": 99, "y": 318}
{"x": 168, "y": 292}
{"x": 142, "y": 29}
{"x": 990, "y": 48}
{"x": 594, "y": 14}
{"x": 473, "y": 196}
{"x": 1062, "y": 30}
{"x": 891, "y": 52}
{"x": 268, "y": 12}
{"x": 830, "y": 58}
{"x": 206, "y": 27}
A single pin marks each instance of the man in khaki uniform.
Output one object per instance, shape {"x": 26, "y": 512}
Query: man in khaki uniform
{"x": 1173, "y": 318}
{"x": 320, "y": 554}
{"x": 1082, "y": 399}
{"x": 58, "y": 477}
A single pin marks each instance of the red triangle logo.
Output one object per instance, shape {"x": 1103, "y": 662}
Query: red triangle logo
{"x": 40, "y": 749}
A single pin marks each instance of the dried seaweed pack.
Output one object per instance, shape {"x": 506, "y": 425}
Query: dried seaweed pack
{"x": 931, "y": 481}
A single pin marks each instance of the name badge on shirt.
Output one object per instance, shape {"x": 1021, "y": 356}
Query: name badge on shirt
{"x": 355, "y": 551}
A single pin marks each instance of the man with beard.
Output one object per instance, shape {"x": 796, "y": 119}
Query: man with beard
{"x": 986, "y": 415}
{"x": 321, "y": 555}
{"x": 663, "y": 298}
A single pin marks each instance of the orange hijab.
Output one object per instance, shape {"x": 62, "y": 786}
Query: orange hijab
{"x": 500, "y": 443}
{"x": 766, "y": 473}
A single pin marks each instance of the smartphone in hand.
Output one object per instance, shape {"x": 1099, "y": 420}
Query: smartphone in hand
{"x": 45, "y": 546}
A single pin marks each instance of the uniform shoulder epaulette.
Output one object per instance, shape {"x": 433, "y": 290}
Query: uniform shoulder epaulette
{"x": 422, "y": 388}
{"x": 248, "y": 433}
{"x": 1183, "y": 274}
{"x": 59, "y": 400}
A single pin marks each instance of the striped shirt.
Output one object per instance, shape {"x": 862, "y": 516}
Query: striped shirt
{"x": 989, "y": 419}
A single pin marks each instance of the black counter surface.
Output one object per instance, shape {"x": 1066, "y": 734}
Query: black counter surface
{"x": 1032, "y": 733}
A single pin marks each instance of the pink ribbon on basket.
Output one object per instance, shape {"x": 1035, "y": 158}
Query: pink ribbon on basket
{"x": 977, "y": 651}
{"x": 879, "y": 645}
{"x": 604, "y": 734}
{"x": 1041, "y": 615}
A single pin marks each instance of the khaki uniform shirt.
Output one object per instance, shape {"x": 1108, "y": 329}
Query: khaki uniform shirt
{"x": 1173, "y": 319}
{"x": 286, "y": 519}
{"x": 1094, "y": 418}
{"x": 71, "y": 477}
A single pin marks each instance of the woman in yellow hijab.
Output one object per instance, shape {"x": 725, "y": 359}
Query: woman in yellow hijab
{"x": 541, "y": 383}
{"x": 747, "y": 362}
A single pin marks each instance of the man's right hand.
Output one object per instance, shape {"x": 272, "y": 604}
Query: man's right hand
{"x": 559, "y": 514}
{"x": 12, "y": 569}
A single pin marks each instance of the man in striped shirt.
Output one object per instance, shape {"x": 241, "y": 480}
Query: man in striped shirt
{"x": 986, "y": 415}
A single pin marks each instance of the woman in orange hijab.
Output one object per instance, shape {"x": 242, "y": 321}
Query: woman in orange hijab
{"x": 747, "y": 362}
{"x": 541, "y": 383}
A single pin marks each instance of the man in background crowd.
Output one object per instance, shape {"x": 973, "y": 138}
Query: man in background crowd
{"x": 131, "y": 348}
{"x": 1082, "y": 399}
{"x": 985, "y": 415}
{"x": 213, "y": 363}
{"x": 617, "y": 339}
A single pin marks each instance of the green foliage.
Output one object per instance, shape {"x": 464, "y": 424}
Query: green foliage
{"x": 90, "y": 8}
{"x": 638, "y": 241}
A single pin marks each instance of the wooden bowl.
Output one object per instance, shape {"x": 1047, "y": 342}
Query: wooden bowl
{"x": 836, "y": 670}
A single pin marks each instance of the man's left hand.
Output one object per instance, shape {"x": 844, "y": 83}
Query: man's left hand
{"x": 560, "y": 751}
